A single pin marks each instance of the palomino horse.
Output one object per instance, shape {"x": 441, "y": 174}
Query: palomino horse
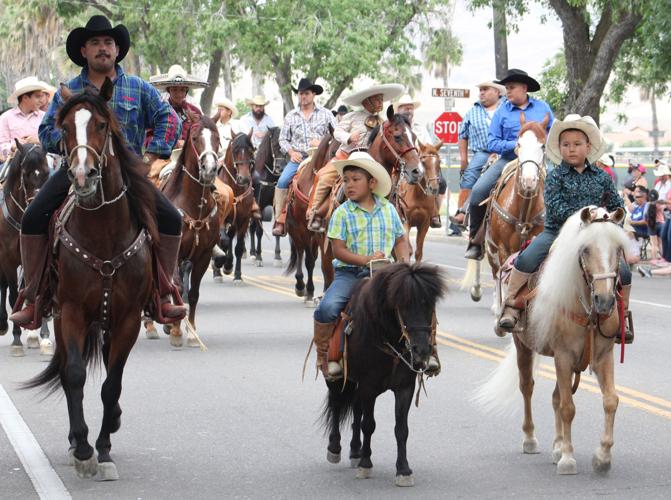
{"x": 268, "y": 165}
{"x": 418, "y": 201}
{"x": 516, "y": 208}
{"x": 104, "y": 268}
{"x": 574, "y": 318}
{"x": 28, "y": 171}
{"x": 393, "y": 319}
{"x": 190, "y": 188}
{"x": 236, "y": 171}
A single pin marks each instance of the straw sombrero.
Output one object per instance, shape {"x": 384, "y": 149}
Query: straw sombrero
{"x": 491, "y": 84}
{"x": 389, "y": 91}
{"x": 405, "y": 100}
{"x": 585, "y": 124}
{"x": 257, "y": 100}
{"x": 365, "y": 161}
{"x": 177, "y": 77}
{"x": 225, "y": 102}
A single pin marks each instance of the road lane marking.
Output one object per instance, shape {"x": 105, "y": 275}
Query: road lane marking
{"x": 46, "y": 482}
{"x": 653, "y": 304}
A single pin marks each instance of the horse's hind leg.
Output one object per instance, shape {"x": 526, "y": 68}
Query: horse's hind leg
{"x": 563, "y": 367}
{"x": 277, "y": 261}
{"x": 310, "y": 257}
{"x": 252, "y": 242}
{"x": 299, "y": 288}
{"x": 525, "y": 361}
{"x": 421, "y": 235}
{"x": 46, "y": 345}
{"x": 559, "y": 427}
{"x": 259, "y": 236}
{"x": 368, "y": 427}
{"x": 199, "y": 268}
{"x": 355, "y": 443}
{"x": 4, "y": 326}
{"x": 604, "y": 372}
{"x": 239, "y": 250}
{"x": 403, "y": 402}
{"x": 17, "y": 345}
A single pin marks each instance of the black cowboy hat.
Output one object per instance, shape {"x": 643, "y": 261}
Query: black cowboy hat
{"x": 96, "y": 26}
{"x": 306, "y": 84}
{"x": 519, "y": 76}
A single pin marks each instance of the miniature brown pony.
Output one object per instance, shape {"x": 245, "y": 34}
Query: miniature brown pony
{"x": 104, "y": 268}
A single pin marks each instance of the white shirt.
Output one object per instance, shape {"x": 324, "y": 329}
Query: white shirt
{"x": 226, "y": 131}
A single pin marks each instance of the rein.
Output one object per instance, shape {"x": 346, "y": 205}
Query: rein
{"x": 400, "y": 164}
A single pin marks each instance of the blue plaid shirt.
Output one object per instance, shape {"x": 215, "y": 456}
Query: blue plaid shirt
{"x": 475, "y": 127}
{"x": 138, "y": 107}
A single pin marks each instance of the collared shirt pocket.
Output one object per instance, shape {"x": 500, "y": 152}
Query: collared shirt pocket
{"x": 128, "y": 114}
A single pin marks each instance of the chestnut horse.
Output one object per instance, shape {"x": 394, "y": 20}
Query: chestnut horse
{"x": 573, "y": 318}
{"x": 190, "y": 188}
{"x": 104, "y": 268}
{"x": 26, "y": 174}
{"x": 418, "y": 201}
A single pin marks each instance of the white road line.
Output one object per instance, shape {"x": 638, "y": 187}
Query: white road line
{"x": 46, "y": 482}
{"x": 654, "y": 304}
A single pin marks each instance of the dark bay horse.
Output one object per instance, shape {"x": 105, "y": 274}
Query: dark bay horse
{"x": 268, "y": 165}
{"x": 190, "y": 187}
{"x": 393, "y": 318}
{"x": 104, "y": 268}
{"x": 26, "y": 174}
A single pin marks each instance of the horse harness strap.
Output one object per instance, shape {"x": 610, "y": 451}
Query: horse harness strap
{"x": 522, "y": 227}
{"x": 196, "y": 225}
{"x": 16, "y": 224}
{"x": 106, "y": 268}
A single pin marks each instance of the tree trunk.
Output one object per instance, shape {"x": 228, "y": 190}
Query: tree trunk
{"x": 257, "y": 82}
{"x": 228, "y": 74}
{"x": 500, "y": 37}
{"x": 213, "y": 79}
{"x": 655, "y": 124}
{"x": 283, "y": 79}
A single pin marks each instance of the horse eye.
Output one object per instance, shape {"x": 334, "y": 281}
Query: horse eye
{"x": 101, "y": 126}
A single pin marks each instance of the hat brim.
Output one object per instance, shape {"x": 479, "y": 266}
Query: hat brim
{"x": 662, "y": 170}
{"x": 228, "y": 105}
{"x": 317, "y": 89}
{"x": 493, "y": 85}
{"x": 250, "y": 102}
{"x": 192, "y": 84}
{"x": 78, "y": 37}
{"x": 532, "y": 85}
{"x": 591, "y": 131}
{"x": 14, "y": 96}
{"x": 389, "y": 91}
{"x": 383, "y": 187}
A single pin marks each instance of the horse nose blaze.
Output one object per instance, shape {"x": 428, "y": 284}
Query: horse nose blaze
{"x": 82, "y": 118}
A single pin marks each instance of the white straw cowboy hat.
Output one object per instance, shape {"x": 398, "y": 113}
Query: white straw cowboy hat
{"x": 662, "y": 169}
{"x": 177, "y": 77}
{"x": 257, "y": 100}
{"x": 585, "y": 124}
{"x": 365, "y": 161}
{"x": 491, "y": 84}
{"x": 23, "y": 86}
{"x": 607, "y": 159}
{"x": 405, "y": 100}
{"x": 48, "y": 88}
{"x": 389, "y": 91}
{"x": 225, "y": 102}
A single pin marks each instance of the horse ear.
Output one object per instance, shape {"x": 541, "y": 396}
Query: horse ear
{"x": 66, "y": 93}
{"x": 390, "y": 112}
{"x": 438, "y": 145}
{"x": 523, "y": 119}
{"x": 618, "y": 215}
{"x": 19, "y": 146}
{"x": 586, "y": 215}
{"x": 107, "y": 89}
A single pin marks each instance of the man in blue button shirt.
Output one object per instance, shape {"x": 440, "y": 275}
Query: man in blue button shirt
{"x": 502, "y": 140}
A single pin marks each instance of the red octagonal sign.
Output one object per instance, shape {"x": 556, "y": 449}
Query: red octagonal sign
{"x": 446, "y": 127}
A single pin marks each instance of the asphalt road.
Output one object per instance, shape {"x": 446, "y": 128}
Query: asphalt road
{"x": 236, "y": 421}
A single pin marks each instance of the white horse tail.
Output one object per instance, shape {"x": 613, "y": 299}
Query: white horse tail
{"x": 471, "y": 271}
{"x": 499, "y": 392}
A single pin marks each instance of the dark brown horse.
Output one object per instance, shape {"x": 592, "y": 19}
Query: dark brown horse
{"x": 27, "y": 172}
{"x": 190, "y": 188}
{"x": 104, "y": 268}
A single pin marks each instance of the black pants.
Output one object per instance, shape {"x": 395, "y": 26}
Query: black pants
{"x": 53, "y": 193}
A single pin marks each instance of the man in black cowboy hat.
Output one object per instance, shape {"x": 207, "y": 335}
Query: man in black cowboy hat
{"x": 303, "y": 128}
{"x": 98, "y": 48}
{"x": 502, "y": 140}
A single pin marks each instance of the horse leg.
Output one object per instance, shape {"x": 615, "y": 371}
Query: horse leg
{"x": 259, "y": 236}
{"x": 403, "y": 402}
{"x": 525, "y": 361}
{"x": 559, "y": 428}
{"x": 310, "y": 268}
{"x": 197, "y": 273}
{"x": 368, "y": 427}
{"x": 4, "y": 326}
{"x": 227, "y": 247}
{"x": 239, "y": 250}
{"x": 46, "y": 345}
{"x": 355, "y": 443}
{"x": 421, "y": 235}
{"x": 252, "y": 243}
{"x": 563, "y": 367}
{"x": 277, "y": 261}
{"x": 334, "y": 408}
{"x": 17, "y": 345}
{"x": 604, "y": 373}
{"x": 300, "y": 284}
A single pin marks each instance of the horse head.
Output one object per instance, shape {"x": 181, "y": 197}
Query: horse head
{"x": 201, "y": 146}
{"x": 270, "y": 160}
{"x": 239, "y": 161}
{"x": 398, "y": 147}
{"x": 429, "y": 154}
{"x": 33, "y": 169}
{"x": 531, "y": 154}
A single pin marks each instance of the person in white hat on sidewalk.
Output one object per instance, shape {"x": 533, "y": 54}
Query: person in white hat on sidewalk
{"x": 21, "y": 122}
{"x": 257, "y": 120}
{"x": 226, "y": 122}
{"x": 352, "y": 132}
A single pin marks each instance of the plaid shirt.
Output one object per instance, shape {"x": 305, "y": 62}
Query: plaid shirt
{"x": 297, "y": 132}
{"x": 138, "y": 107}
{"x": 475, "y": 127}
{"x": 363, "y": 232}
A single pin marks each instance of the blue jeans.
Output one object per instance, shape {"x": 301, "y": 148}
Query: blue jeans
{"x": 338, "y": 293}
{"x": 287, "y": 176}
{"x": 473, "y": 169}
{"x": 481, "y": 191}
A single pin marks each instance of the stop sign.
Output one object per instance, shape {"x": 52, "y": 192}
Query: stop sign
{"x": 446, "y": 127}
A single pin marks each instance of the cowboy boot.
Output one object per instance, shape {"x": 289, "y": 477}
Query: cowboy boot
{"x": 321, "y": 338}
{"x": 279, "y": 201}
{"x": 628, "y": 321}
{"x": 168, "y": 254}
{"x": 513, "y": 305}
{"x": 460, "y": 215}
{"x": 34, "y": 248}
{"x": 435, "y": 221}
{"x": 326, "y": 179}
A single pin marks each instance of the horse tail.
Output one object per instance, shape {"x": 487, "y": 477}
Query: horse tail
{"x": 338, "y": 405}
{"x": 293, "y": 258}
{"x": 499, "y": 391}
{"x": 469, "y": 278}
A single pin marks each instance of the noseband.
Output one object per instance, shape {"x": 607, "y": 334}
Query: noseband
{"x": 405, "y": 337}
{"x": 521, "y": 191}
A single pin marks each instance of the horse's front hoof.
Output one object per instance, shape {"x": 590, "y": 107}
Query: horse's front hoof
{"x": 567, "y": 466}
{"x": 364, "y": 472}
{"x": 107, "y": 472}
{"x": 300, "y": 292}
{"x": 192, "y": 342}
{"x": 405, "y": 481}
{"x": 17, "y": 351}
{"x": 150, "y": 332}
{"x": 310, "y": 303}
{"x": 556, "y": 455}
{"x": 600, "y": 462}
{"x": 71, "y": 456}
{"x": 176, "y": 339}
{"x": 228, "y": 271}
{"x": 530, "y": 446}
{"x": 33, "y": 341}
{"x": 259, "y": 263}
{"x": 86, "y": 468}
{"x": 237, "y": 281}
{"x": 333, "y": 458}
{"x": 354, "y": 462}
{"x": 277, "y": 263}
{"x": 476, "y": 293}
{"x": 46, "y": 348}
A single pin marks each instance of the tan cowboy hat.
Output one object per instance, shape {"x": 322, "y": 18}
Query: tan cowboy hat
{"x": 48, "y": 88}
{"x": 607, "y": 159}
{"x": 585, "y": 124}
{"x": 389, "y": 91}
{"x": 405, "y": 100}
{"x": 662, "y": 169}
{"x": 499, "y": 87}
{"x": 177, "y": 77}
{"x": 257, "y": 100}
{"x": 225, "y": 102}
{"x": 23, "y": 86}
{"x": 365, "y": 161}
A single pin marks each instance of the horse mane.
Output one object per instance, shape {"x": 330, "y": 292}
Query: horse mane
{"x": 141, "y": 193}
{"x": 536, "y": 128}
{"x": 265, "y": 149}
{"x": 321, "y": 156}
{"x": 15, "y": 169}
{"x": 376, "y": 130}
{"x": 559, "y": 285}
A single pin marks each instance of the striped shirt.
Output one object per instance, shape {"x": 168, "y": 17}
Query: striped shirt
{"x": 475, "y": 127}
{"x": 297, "y": 132}
{"x": 363, "y": 232}
{"x": 138, "y": 107}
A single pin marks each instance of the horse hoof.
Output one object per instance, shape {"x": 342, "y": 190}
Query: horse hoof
{"x": 567, "y": 466}
{"x": 219, "y": 279}
{"x": 228, "y": 271}
{"x": 333, "y": 458}
{"x": 300, "y": 292}
{"x": 107, "y": 472}
{"x": 276, "y": 263}
{"x": 530, "y": 446}
{"x": 259, "y": 263}
{"x": 4, "y": 331}
{"x": 310, "y": 303}
{"x": 354, "y": 462}
{"x": 556, "y": 455}
{"x": 244, "y": 254}
{"x": 476, "y": 293}
{"x": 71, "y": 456}
{"x": 192, "y": 342}
{"x": 86, "y": 468}
{"x": 46, "y": 347}
{"x": 252, "y": 257}
{"x": 364, "y": 472}
{"x": 32, "y": 341}
{"x": 237, "y": 281}
{"x": 176, "y": 340}
{"x": 17, "y": 351}
{"x": 600, "y": 462}
{"x": 405, "y": 481}
{"x": 151, "y": 332}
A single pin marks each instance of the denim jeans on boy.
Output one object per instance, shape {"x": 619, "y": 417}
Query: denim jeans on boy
{"x": 337, "y": 295}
